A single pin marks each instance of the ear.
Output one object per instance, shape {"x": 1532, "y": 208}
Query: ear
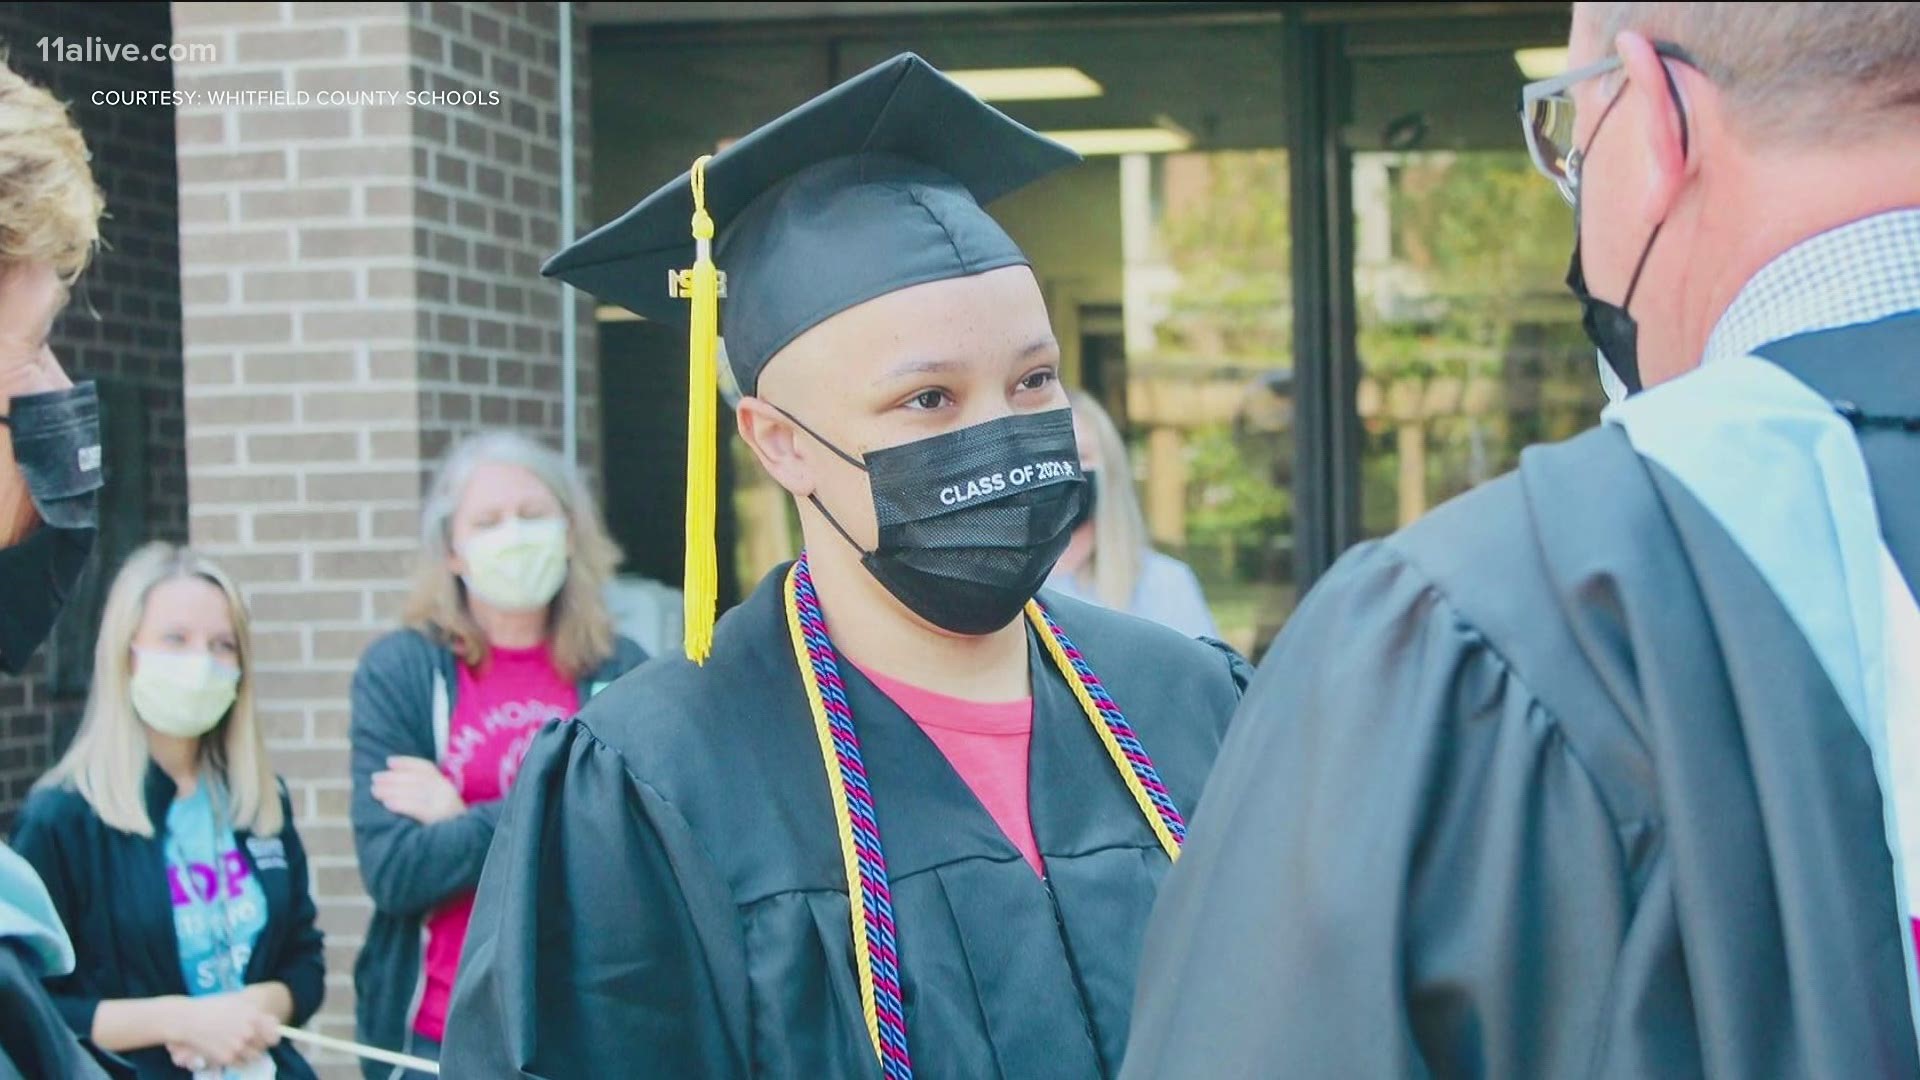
{"x": 1668, "y": 152}
{"x": 775, "y": 441}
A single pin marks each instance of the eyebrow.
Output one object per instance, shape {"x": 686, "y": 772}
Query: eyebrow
{"x": 920, "y": 367}
{"x": 925, "y": 366}
{"x": 1040, "y": 344}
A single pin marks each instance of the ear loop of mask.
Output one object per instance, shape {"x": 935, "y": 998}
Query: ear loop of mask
{"x": 1680, "y": 107}
{"x": 813, "y": 497}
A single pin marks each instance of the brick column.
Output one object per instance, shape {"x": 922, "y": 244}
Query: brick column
{"x": 360, "y": 260}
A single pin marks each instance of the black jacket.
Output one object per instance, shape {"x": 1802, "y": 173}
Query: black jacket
{"x": 111, "y": 890}
{"x": 403, "y": 695}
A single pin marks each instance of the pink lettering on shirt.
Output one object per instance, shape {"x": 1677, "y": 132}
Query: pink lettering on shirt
{"x": 206, "y": 880}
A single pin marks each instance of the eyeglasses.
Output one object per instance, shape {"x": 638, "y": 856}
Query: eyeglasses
{"x": 1546, "y": 116}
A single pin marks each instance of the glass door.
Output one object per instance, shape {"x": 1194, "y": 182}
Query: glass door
{"x": 1306, "y": 268}
{"x": 1468, "y": 341}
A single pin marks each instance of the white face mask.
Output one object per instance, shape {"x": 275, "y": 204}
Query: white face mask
{"x": 182, "y": 693}
{"x": 519, "y": 564}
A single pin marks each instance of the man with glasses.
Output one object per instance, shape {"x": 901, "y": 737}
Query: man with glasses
{"x": 1611, "y": 767}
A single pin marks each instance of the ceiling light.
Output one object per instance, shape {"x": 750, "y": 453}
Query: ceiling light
{"x": 614, "y": 313}
{"x": 1542, "y": 63}
{"x": 1093, "y": 142}
{"x": 1027, "y": 84}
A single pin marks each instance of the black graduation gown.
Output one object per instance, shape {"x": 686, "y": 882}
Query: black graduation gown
{"x": 1548, "y": 785}
{"x": 665, "y": 894}
{"x": 35, "y": 1041}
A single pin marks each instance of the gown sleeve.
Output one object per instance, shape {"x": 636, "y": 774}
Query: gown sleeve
{"x": 603, "y": 942}
{"x": 1399, "y": 867}
{"x": 34, "y": 1037}
{"x": 45, "y": 836}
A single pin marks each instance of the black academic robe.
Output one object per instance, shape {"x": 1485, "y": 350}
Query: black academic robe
{"x": 1548, "y": 785}
{"x": 35, "y": 1042}
{"x": 665, "y": 894}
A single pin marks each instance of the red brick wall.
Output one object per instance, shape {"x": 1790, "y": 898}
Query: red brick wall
{"x": 361, "y": 286}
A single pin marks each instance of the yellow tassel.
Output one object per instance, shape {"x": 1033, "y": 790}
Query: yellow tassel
{"x": 703, "y": 571}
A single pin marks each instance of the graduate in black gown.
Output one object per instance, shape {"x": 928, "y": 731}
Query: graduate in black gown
{"x": 897, "y": 818}
{"x": 1608, "y": 768}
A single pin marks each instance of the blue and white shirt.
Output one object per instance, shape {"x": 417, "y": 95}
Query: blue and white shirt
{"x": 219, "y": 908}
{"x": 1860, "y": 272}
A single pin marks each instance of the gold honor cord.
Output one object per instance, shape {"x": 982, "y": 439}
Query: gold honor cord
{"x": 1077, "y": 676}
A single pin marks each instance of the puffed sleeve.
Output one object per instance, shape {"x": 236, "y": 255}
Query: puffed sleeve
{"x": 602, "y": 943}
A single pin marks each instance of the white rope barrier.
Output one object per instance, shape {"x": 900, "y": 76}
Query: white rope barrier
{"x": 385, "y": 1057}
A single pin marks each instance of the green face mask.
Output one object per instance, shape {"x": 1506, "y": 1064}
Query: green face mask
{"x": 183, "y": 694}
{"x": 517, "y": 565}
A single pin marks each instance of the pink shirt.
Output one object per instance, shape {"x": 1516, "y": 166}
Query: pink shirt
{"x": 496, "y": 713}
{"x": 987, "y": 744}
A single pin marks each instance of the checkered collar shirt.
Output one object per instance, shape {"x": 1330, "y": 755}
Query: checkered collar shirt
{"x": 1860, "y": 272}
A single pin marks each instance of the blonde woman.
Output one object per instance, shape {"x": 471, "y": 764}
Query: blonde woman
{"x": 1110, "y": 561}
{"x": 506, "y": 629}
{"x": 168, "y": 846}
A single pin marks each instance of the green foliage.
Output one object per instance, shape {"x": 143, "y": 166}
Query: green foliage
{"x": 1488, "y": 239}
{"x": 1234, "y": 254}
{"x": 1232, "y": 500}
{"x": 1484, "y": 230}
{"x": 1480, "y": 246}
{"x": 1424, "y": 352}
{"x": 1225, "y": 229}
{"x": 1242, "y": 223}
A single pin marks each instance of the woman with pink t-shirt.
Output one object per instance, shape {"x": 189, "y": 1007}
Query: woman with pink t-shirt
{"x": 505, "y": 630}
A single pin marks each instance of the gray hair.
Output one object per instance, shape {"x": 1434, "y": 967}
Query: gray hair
{"x": 492, "y": 448}
{"x": 1796, "y": 72}
{"x": 580, "y": 628}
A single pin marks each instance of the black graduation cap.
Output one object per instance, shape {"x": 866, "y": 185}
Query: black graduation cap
{"x": 873, "y": 186}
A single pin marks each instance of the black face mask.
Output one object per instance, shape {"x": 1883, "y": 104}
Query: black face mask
{"x": 1609, "y": 326}
{"x": 971, "y": 522}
